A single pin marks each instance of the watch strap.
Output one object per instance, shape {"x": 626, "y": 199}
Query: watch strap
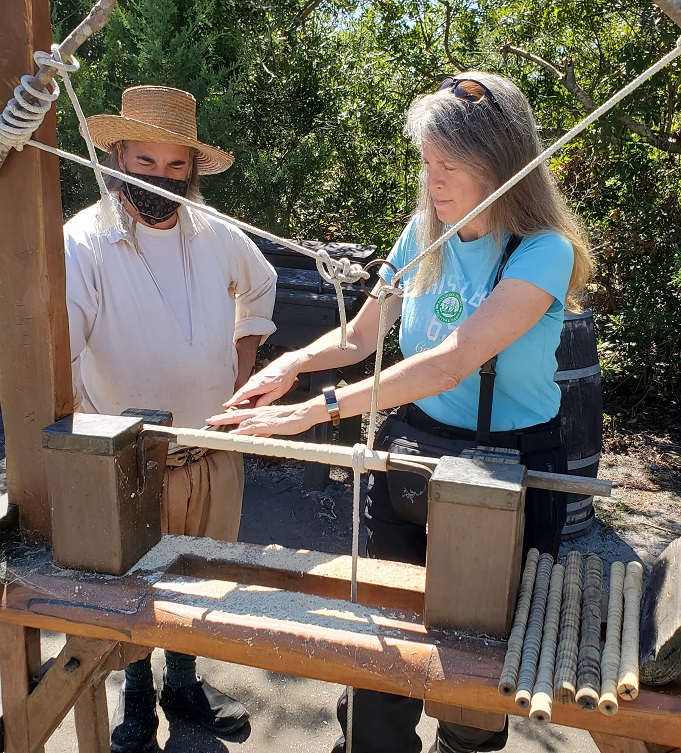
{"x": 332, "y": 404}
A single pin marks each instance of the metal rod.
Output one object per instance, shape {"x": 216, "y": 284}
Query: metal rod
{"x": 339, "y": 455}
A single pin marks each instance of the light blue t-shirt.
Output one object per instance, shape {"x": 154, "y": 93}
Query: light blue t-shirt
{"x": 524, "y": 391}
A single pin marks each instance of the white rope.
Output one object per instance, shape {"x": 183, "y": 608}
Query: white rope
{"x": 56, "y": 60}
{"x": 383, "y": 294}
{"x": 358, "y": 467}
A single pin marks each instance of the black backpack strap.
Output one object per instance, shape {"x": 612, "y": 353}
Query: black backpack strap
{"x": 488, "y": 369}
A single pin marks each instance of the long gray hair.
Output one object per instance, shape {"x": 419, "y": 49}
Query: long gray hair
{"x": 114, "y": 184}
{"x": 494, "y": 142}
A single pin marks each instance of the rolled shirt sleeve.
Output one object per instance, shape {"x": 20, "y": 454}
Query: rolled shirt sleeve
{"x": 254, "y": 289}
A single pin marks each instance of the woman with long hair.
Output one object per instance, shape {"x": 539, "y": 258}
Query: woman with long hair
{"x": 499, "y": 287}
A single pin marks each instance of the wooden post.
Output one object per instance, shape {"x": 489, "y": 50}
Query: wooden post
{"x": 475, "y": 526}
{"x": 20, "y": 669}
{"x": 35, "y": 373}
{"x": 476, "y": 517}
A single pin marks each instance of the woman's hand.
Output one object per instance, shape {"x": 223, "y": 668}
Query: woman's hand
{"x": 275, "y": 419}
{"x": 268, "y": 385}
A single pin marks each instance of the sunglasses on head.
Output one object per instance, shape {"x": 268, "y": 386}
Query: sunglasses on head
{"x": 468, "y": 90}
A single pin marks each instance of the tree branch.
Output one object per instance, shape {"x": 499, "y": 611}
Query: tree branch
{"x": 308, "y": 9}
{"x": 448, "y": 21}
{"x": 671, "y": 8}
{"x": 665, "y": 142}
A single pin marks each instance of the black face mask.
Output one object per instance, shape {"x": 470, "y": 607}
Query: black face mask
{"x": 152, "y": 207}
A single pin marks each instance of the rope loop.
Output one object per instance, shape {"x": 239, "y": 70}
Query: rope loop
{"x": 55, "y": 60}
{"x": 387, "y": 290}
{"x": 358, "y": 456}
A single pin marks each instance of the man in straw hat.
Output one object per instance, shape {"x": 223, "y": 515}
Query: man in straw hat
{"x": 167, "y": 307}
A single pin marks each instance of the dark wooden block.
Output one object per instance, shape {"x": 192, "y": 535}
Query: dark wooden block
{"x": 104, "y": 493}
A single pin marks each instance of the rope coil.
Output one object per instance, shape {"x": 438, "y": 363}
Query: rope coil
{"x": 25, "y": 112}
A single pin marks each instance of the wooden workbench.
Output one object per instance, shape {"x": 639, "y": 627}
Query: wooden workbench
{"x": 266, "y": 607}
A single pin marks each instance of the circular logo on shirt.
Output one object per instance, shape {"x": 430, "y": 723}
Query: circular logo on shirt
{"x": 448, "y": 307}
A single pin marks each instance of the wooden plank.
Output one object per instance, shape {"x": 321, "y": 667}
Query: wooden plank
{"x": 92, "y": 718}
{"x": 612, "y": 744}
{"x": 62, "y": 684}
{"x": 35, "y": 371}
{"x": 17, "y": 666}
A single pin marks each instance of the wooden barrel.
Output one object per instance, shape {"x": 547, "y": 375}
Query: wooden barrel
{"x": 579, "y": 379}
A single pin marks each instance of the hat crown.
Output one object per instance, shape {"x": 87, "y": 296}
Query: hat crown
{"x": 163, "y": 107}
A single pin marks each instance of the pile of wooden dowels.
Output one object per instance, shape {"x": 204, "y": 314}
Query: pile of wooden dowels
{"x": 554, "y": 650}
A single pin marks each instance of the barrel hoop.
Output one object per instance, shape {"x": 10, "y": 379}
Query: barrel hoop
{"x": 583, "y": 462}
{"x": 573, "y": 374}
{"x": 578, "y": 528}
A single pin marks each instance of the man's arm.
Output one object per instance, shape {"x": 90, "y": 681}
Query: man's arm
{"x": 246, "y": 350}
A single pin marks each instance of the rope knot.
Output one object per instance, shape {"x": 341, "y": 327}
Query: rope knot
{"x": 336, "y": 271}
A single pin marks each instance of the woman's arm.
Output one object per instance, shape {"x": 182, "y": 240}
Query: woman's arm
{"x": 513, "y": 308}
{"x": 275, "y": 380}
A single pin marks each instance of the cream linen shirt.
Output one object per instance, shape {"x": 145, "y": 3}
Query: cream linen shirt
{"x": 128, "y": 349}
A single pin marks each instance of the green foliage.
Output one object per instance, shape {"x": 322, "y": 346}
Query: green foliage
{"x": 310, "y": 97}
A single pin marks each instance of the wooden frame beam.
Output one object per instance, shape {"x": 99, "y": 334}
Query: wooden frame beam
{"x": 35, "y": 372}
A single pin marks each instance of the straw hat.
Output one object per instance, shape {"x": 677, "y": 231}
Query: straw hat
{"x": 161, "y": 115}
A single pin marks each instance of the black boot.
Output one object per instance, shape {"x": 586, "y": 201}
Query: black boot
{"x": 203, "y": 704}
{"x": 135, "y": 722}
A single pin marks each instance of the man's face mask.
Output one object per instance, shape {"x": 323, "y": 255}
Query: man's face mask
{"x": 152, "y": 207}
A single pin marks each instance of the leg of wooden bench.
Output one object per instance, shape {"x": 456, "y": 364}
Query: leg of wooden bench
{"x": 62, "y": 684}
{"x": 612, "y": 744}
{"x": 92, "y": 718}
{"x": 20, "y": 667}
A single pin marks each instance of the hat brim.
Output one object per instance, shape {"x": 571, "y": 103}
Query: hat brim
{"x": 107, "y": 130}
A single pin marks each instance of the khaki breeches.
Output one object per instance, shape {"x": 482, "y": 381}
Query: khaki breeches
{"x": 204, "y": 498}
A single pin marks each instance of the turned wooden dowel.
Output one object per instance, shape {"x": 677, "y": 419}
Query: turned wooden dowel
{"x": 589, "y": 658}
{"x": 610, "y": 660}
{"x": 565, "y": 678}
{"x": 509, "y": 674}
{"x": 533, "y": 634}
{"x": 542, "y": 695}
{"x": 627, "y": 681}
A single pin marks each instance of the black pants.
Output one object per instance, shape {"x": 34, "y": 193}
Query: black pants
{"x": 384, "y": 723}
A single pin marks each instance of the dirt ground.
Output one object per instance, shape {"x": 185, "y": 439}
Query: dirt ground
{"x": 294, "y": 714}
